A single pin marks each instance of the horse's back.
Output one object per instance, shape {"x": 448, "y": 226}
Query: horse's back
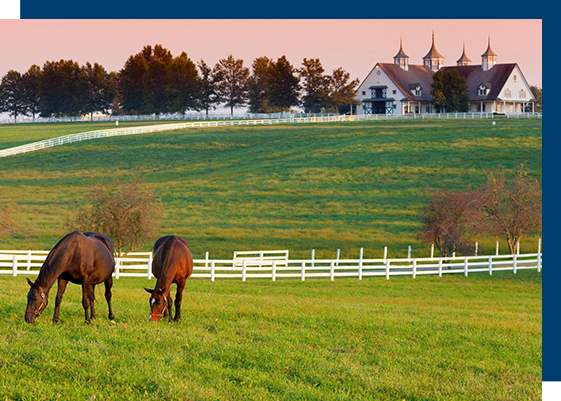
{"x": 171, "y": 252}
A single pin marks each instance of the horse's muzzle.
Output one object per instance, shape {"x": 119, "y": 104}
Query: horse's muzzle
{"x": 30, "y": 318}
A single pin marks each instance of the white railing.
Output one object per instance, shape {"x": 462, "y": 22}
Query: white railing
{"x": 139, "y": 265}
{"x": 62, "y": 140}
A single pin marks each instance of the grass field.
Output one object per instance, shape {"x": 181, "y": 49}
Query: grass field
{"x": 429, "y": 338}
{"x": 296, "y": 187}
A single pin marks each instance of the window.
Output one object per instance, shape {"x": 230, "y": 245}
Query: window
{"x": 508, "y": 94}
{"x": 394, "y": 92}
{"x": 363, "y": 93}
{"x": 522, "y": 94}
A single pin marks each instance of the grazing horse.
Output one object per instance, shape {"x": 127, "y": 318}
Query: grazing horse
{"x": 172, "y": 263}
{"x": 81, "y": 258}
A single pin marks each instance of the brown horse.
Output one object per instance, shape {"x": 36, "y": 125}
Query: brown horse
{"x": 172, "y": 263}
{"x": 81, "y": 258}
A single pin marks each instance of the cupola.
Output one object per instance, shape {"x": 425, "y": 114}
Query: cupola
{"x": 489, "y": 58}
{"x": 464, "y": 60}
{"x": 433, "y": 60}
{"x": 401, "y": 58}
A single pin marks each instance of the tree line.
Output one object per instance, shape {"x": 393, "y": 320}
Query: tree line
{"x": 154, "y": 81}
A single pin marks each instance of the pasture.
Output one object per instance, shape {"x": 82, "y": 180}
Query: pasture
{"x": 429, "y": 338}
{"x": 297, "y": 187}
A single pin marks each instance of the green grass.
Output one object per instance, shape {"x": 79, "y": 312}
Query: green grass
{"x": 297, "y": 187}
{"x": 429, "y": 338}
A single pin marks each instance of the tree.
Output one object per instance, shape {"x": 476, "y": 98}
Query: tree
{"x": 258, "y": 85}
{"x": 131, "y": 81}
{"x": 283, "y": 85}
{"x": 537, "y": 92}
{"x": 208, "y": 97}
{"x": 12, "y": 99}
{"x": 512, "y": 207}
{"x": 315, "y": 86}
{"x": 31, "y": 82}
{"x": 450, "y": 91}
{"x": 97, "y": 89}
{"x": 343, "y": 91}
{"x": 231, "y": 82}
{"x": 127, "y": 212}
{"x": 449, "y": 219}
{"x": 62, "y": 89}
{"x": 182, "y": 84}
{"x": 7, "y": 224}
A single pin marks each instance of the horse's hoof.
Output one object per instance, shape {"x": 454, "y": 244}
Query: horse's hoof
{"x": 112, "y": 321}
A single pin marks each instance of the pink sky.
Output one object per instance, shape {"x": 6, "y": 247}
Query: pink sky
{"x": 355, "y": 45}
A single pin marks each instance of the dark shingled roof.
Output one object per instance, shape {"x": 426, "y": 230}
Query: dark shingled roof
{"x": 495, "y": 79}
{"x": 416, "y": 74}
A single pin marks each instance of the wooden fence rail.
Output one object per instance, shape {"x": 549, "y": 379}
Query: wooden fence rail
{"x": 138, "y": 265}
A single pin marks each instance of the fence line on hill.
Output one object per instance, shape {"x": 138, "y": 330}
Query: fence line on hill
{"x": 138, "y": 264}
{"x": 66, "y": 139}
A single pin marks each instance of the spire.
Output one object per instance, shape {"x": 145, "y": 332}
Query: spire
{"x": 434, "y": 60}
{"x": 464, "y": 60}
{"x": 489, "y": 58}
{"x": 401, "y": 58}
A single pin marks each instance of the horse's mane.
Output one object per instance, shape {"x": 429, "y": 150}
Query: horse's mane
{"x": 54, "y": 258}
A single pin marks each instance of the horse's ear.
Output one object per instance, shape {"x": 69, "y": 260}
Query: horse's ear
{"x": 148, "y": 290}
{"x": 161, "y": 291}
{"x": 30, "y": 282}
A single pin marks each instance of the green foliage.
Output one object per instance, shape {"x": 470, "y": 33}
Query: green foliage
{"x": 231, "y": 80}
{"x": 450, "y": 91}
{"x": 450, "y": 338}
{"x": 283, "y": 85}
{"x": 12, "y": 97}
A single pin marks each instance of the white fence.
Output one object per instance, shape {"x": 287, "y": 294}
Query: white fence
{"x": 266, "y": 267}
{"x": 61, "y": 140}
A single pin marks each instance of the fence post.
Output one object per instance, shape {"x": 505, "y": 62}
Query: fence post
{"x": 28, "y": 260}
{"x": 332, "y": 270}
{"x": 117, "y": 262}
{"x": 497, "y": 249}
{"x": 466, "y": 266}
{"x": 414, "y": 268}
{"x": 15, "y": 266}
{"x": 385, "y": 253}
{"x": 409, "y": 252}
{"x": 274, "y": 270}
{"x": 514, "y": 264}
{"x": 476, "y": 246}
{"x": 338, "y": 253}
{"x": 387, "y": 269}
{"x": 490, "y": 265}
{"x": 149, "y": 273}
{"x": 440, "y": 267}
{"x": 432, "y": 251}
{"x": 212, "y": 270}
{"x": 303, "y": 271}
{"x": 360, "y": 264}
{"x": 313, "y": 256}
{"x": 243, "y": 270}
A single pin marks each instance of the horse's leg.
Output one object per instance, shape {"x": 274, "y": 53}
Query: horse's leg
{"x": 92, "y": 302}
{"x": 108, "y": 285}
{"x": 86, "y": 299}
{"x": 58, "y": 300}
{"x": 178, "y": 299}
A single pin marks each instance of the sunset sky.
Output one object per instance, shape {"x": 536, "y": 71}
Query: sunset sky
{"x": 355, "y": 45}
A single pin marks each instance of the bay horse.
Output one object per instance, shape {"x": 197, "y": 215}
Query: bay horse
{"x": 81, "y": 258}
{"x": 172, "y": 263}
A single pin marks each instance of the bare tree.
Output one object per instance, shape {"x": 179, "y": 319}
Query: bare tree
{"x": 512, "y": 207}
{"x": 449, "y": 219}
{"x": 7, "y": 224}
{"x": 127, "y": 212}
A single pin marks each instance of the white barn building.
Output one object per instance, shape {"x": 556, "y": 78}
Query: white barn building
{"x": 400, "y": 88}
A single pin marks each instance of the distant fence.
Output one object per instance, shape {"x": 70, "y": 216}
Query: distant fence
{"x": 66, "y": 139}
{"x": 138, "y": 264}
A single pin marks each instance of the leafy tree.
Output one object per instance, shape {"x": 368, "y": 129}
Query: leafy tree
{"x": 131, "y": 83}
{"x": 449, "y": 220}
{"x": 182, "y": 84}
{"x": 258, "y": 85}
{"x": 450, "y": 91}
{"x": 127, "y": 212}
{"x": 283, "y": 85}
{"x": 512, "y": 207}
{"x": 155, "y": 96}
{"x": 231, "y": 82}
{"x": 537, "y": 92}
{"x": 97, "y": 90}
{"x": 315, "y": 86}
{"x": 62, "y": 89}
{"x": 208, "y": 97}
{"x": 343, "y": 91}
{"x": 31, "y": 82}
{"x": 12, "y": 99}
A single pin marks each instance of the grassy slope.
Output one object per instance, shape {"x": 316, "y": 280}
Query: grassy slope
{"x": 453, "y": 338}
{"x": 296, "y": 187}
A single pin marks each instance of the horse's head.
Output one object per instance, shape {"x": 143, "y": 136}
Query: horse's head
{"x": 158, "y": 304}
{"x": 37, "y": 300}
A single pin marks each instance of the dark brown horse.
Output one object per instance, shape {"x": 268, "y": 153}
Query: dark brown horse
{"x": 172, "y": 263}
{"x": 81, "y": 258}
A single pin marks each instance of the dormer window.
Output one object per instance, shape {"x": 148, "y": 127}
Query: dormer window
{"x": 415, "y": 89}
{"x": 483, "y": 90}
